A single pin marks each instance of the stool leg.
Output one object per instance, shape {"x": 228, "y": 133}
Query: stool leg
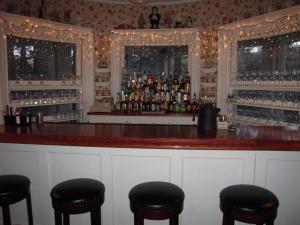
{"x": 58, "y": 220}
{"x": 227, "y": 220}
{"x": 96, "y": 217}
{"x": 138, "y": 219}
{"x": 6, "y": 215}
{"x": 66, "y": 219}
{"x": 29, "y": 209}
{"x": 174, "y": 220}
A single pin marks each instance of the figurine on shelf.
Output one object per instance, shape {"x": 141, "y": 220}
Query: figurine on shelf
{"x": 42, "y": 10}
{"x": 54, "y": 15}
{"x": 168, "y": 19}
{"x": 141, "y": 22}
{"x": 67, "y": 16}
{"x": 178, "y": 23}
{"x": 154, "y": 18}
{"x": 188, "y": 22}
{"x": 26, "y": 9}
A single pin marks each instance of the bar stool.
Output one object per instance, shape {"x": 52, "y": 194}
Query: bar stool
{"x": 156, "y": 201}
{"x": 14, "y": 188}
{"x": 77, "y": 196}
{"x": 248, "y": 204}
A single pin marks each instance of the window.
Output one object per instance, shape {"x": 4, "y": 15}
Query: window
{"x": 30, "y": 59}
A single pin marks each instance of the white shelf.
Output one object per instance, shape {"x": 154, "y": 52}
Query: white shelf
{"x": 102, "y": 70}
{"x": 257, "y": 122}
{"x": 208, "y": 84}
{"x": 107, "y": 83}
{"x": 46, "y": 85}
{"x": 267, "y": 88}
{"x": 208, "y": 69}
{"x": 54, "y": 119}
{"x": 45, "y": 104}
{"x": 266, "y": 106}
{"x": 101, "y": 97}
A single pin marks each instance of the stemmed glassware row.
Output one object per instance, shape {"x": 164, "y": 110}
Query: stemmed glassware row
{"x": 268, "y": 116}
{"x": 290, "y": 99}
{"x": 42, "y": 97}
{"x": 289, "y": 77}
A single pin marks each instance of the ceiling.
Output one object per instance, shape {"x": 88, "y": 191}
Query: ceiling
{"x": 152, "y": 2}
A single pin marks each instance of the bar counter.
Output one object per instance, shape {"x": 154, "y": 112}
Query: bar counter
{"x": 152, "y": 136}
{"x": 122, "y": 156}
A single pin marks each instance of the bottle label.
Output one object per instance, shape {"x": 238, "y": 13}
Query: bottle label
{"x": 18, "y": 121}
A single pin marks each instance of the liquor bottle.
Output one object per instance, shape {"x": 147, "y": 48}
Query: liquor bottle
{"x": 130, "y": 106}
{"x": 135, "y": 106}
{"x": 143, "y": 106}
{"x": 166, "y": 106}
{"x": 28, "y": 118}
{"x": 150, "y": 79}
{"x": 158, "y": 106}
{"x": 153, "y": 105}
{"x": 18, "y": 118}
{"x": 194, "y": 105}
{"x": 148, "y": 107}
{"x": 118, "y": 106}
{"x": 187, "y": 85}
{"x": 171, "y": 106}
{"x": 126, "y": 94}
{"x": 183, "y": 107}
{"x": 177, "y": 107}
{"x": 124, "y": 106}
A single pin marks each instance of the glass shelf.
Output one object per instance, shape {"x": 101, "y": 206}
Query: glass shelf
{"x": 274, "y": 106}
{"x": 266, "y": 86}
{"x": 45, "y": 85}
{"x": 260, "y": 113}
{"x": 274, "y": 58}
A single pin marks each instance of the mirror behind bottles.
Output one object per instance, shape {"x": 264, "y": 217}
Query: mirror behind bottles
{"x": 172, "y": 60}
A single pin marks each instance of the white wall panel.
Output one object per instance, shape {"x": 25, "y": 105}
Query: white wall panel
{"x": 129, "y": 171}
{"x": 280, "y": 173}
{"x": 22, "y": 163}
{"x": 203, "y": 179}
{"x": 64, "y": 166}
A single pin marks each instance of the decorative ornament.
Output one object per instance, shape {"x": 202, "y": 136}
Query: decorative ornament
{"x": 141, "y": 22}
{"x": 154, "y": 18}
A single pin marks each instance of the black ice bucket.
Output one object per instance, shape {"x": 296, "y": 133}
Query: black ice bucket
{"x": 207, "y": 118}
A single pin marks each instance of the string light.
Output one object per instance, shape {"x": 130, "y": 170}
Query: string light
{"x": 29, "y": 30}
{"x": 267, "y": 28}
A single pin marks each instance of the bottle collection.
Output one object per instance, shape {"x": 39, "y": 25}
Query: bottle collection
{"x": 150, "y": 93}
{"x": 15, "y": 116}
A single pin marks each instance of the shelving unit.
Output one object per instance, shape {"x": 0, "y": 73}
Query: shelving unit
{"x": 268, "y": 105}
{"x": 208, "y": 84}
{"x": 102, "y": 83}
{"x": 260, "y": 79}
{"x": 41, "y": 72}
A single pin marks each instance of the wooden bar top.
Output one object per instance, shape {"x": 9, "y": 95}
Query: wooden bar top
{"x": 152, "y": 136}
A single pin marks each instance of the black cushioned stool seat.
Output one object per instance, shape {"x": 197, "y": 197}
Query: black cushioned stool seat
{"x": 248, "y": 204}
{"x": 14, "y": 188}
{"x": 156, "y": 201}
{"x": 77, "y": 196}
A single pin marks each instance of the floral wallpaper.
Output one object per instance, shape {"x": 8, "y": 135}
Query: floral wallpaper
{"x": 205, "y": 14}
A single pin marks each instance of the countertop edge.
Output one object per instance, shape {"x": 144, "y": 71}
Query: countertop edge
{"x": 153, "y": 143}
